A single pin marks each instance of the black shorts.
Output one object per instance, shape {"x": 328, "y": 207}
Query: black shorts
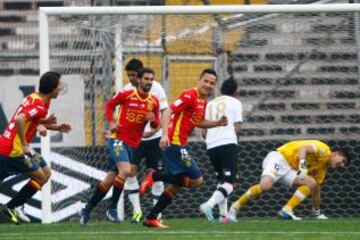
{"x": 224, "y": 159}
{"x": 149, "y": 150}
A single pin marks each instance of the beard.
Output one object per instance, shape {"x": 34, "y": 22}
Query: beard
{"x": 146, "y": 88}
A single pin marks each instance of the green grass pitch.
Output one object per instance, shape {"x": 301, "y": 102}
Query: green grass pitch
{"x": 254, "y": 229}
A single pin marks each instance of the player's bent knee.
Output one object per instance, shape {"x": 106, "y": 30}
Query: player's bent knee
{"x": 126, "y": 173}
{"x": 40, "y": 177}
{"x": 197, "y": 182}
{"x": 266, "y": 186}
{"x": 266, "y": 183}
{"x": 311, "y": 183}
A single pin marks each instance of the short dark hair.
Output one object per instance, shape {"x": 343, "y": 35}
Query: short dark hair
{"x": 144, "y": 70}
{"x": 208, "y": 71}
{"x": 134, "y": 65}
{"x": 344, "y": 152}
{"x": 48, "y": 82}
{"x": 229, "y": 87}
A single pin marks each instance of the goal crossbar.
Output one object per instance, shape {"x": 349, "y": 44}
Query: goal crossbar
{"x": 150, "y": 10}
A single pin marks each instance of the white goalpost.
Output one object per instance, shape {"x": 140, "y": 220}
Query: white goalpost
{"x": 109, "y": 33}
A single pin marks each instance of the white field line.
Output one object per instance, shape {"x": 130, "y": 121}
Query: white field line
{"x": 164, "y": 232}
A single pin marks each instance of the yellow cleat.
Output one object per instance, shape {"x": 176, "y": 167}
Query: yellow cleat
{"x": 10, "y": 214}
{"x": 137, "y": 216}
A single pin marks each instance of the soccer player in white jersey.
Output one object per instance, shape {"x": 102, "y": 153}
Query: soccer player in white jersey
{"x": 148, "y": 149}
{"x": 221, "y": 145}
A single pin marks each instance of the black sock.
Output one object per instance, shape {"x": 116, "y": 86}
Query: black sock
{"x": 25, "y": 194}
{"x": 163, "y": 202}
{"x": 118, "y": 188}
{"x": 180, "y": 180}
{"x": 99, "y": 193}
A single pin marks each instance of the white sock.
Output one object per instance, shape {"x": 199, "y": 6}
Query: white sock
{"x": 218, "y": 195}
{"x": 156, "y": 190}
{"x": 132, "y": 185}
{"x": 215, "y": 199}
{"x": 223, "y": 208}
{"x": 120, "y": 207}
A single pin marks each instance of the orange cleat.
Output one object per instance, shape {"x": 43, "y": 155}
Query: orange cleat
{"x": 147, "y": 182}
{"x": 154, "y": 223}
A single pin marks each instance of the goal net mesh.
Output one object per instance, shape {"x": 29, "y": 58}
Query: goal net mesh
{"x": 298, "y": 78}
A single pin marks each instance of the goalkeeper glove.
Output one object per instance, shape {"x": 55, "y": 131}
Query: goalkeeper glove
{"x": 303, "y": 171}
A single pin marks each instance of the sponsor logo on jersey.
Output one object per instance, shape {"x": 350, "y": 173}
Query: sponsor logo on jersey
{"x": 33, "y": 112}
{"x": 133, "y": 105}
{"x": 177, "y": 102}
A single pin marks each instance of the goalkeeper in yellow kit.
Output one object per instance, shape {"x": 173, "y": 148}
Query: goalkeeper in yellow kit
{"x": 301, "y": 164}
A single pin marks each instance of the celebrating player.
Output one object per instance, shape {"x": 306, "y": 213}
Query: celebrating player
{"x": 16, "y": 157}
{"x": 148, "y": 149}
{"x": 131, "y": 184}
{"x": 138, "y": 107}
{"x": 296, "y": 163}
{"x": 177, "y": 122}
{"x": 221, "y": 143}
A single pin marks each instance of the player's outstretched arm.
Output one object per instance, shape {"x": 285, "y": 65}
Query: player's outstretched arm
{"x": 303, "y": 151}
{"x": 48, "y": 120}
{"x": 42, "y": 130}
{"x": 63, "y": 127}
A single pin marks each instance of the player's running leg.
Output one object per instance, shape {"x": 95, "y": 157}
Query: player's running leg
{"x": 132, "y": 188}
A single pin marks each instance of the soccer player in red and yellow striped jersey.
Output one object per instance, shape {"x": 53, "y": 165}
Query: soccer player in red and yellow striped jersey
{"x": 16, "y": 157}
{"x": 138, "y": 107}
{"x": 296, "y": 163}
{"x": 178, "y": 121}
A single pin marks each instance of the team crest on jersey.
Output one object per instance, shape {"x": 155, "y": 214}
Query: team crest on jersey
{"x": 150, "y": 106}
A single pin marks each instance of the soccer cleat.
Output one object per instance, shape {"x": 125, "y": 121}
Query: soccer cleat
{"x": 223, "y": 220}
{"x": 136, "y": 218}
{"x": 154, "y": 223}
{"x": 288, "y": 215}
{"x": 321, "y": 216}
{"x": 207, "y": 211}
{"x": 228, "y": 219}
{"x": 84, "y": 217}
{"x": 21, "y": 214}
{"x": 232, "y": 213}
{"x": 10, "y": 214}
{"x": 147, "y": 183}
{"x": 112, "y": 215}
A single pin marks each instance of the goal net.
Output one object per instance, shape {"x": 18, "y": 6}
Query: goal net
{"x": 298, "y": 78}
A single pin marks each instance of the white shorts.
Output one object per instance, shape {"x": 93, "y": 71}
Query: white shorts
{"x": 275, "y": 166}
